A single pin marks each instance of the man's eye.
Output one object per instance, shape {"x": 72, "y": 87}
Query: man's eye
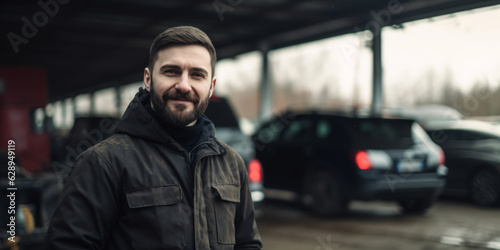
{"x": 199, "y": 75}
{"x": 170, "y": 72}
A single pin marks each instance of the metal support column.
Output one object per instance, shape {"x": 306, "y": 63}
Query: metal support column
{"x": 265, "y": 89}
{"x": 75, "y": 107}
{"x": 64, "y": 113}
{"x": 92, "y": 104}
{"x": 118, "y": 99}
{"x": 376, "y": 108}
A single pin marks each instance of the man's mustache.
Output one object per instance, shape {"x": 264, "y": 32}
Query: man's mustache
{"x": 189, "y": 96}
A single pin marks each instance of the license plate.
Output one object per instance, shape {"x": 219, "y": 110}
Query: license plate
{"x": 410, "y": 166}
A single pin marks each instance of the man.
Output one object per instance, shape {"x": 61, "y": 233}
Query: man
{"x": 162, "y": 181}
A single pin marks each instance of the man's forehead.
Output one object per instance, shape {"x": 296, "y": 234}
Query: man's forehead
{"x": 193, "y": 50}
{"x": 184, "y": 55}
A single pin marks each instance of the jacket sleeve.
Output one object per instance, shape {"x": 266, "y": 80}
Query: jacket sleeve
{"x": 87, "y": 208}
{"x": 247, "y": 235}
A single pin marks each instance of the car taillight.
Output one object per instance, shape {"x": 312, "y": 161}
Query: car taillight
{"x": 441, "y": 157}
{"x": 254, "y": 171}
{"x": 362, "y": 160}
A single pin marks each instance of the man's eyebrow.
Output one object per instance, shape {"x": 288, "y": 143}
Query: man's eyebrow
{"x": 177, "y": 67}
{"x": 169, "y": 66}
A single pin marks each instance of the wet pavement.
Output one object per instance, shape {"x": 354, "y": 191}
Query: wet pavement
{"x": 449, "y": 224}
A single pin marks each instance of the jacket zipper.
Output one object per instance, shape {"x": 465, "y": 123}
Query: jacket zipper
{"x": 192, "y": 164}
{"x": 192, "y": 171}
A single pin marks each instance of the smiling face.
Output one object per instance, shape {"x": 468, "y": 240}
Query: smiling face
{"x": 181, "y": 84}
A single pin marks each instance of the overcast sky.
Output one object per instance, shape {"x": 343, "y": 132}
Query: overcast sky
{"x": 463, "y": 45}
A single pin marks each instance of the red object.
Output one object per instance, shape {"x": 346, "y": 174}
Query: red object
{"x": 23, "y": 90}
{"x": 441, "y": 157}
{"x": 362, "y": 160}
{"x": 254, "y": 171}
{"x": 215, "y": 98}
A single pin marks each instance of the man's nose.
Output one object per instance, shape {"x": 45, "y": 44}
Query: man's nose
{"x": 183, "y": 84}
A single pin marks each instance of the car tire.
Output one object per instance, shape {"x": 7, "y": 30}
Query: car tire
{"x": 416, "y": 206}
{"x": 485, "y": 187}
{"x": 322, "y": 194}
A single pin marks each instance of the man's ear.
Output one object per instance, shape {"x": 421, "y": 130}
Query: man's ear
{"x": 147, "y": 79}
{"x": 212, "y": 86}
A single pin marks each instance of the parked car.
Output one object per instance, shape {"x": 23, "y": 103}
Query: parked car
{"x": 472, "y": 150}
{"x": 327, "y": 160}
{"x": 424, "y": 114}
{"x": 228, "y": 131}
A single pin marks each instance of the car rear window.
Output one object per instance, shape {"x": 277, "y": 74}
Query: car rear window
{"x": 381, "y": 133}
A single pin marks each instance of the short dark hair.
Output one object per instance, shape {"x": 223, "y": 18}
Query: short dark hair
{"x": 181, "y": 35}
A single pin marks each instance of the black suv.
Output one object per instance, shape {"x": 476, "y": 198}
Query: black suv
{"x": 327, "y": 160}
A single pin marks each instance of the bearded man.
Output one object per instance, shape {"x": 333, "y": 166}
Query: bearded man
{"x": 162, "y": 181}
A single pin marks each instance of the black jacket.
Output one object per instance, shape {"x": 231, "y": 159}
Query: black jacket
{"x": 140, "y": 189}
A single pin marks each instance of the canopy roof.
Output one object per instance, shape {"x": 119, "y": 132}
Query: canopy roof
{"x": 89, "y": 45}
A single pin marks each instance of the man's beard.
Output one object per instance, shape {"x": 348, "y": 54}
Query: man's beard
{"x": 177, "y": 117}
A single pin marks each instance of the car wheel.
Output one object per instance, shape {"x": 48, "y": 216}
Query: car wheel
{"x": 322, "y": 194}
{"x": 485, "y": 188}
{"x": 417, "y": 206}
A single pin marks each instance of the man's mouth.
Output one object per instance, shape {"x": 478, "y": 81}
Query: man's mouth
{"x": 181, "y": 100}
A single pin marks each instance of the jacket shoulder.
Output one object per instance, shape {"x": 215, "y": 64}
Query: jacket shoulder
{"x": 116, "y": 142}
{"x": 230, "y": 152}
{"x": 226, "y": 147}
{"x": 111, "y": 147}
{"x": 106, "y": 152}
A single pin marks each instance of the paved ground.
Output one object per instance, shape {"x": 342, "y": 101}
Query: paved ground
{"x": 449, "y": 224}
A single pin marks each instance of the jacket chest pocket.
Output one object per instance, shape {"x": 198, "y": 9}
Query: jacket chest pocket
{"x": 156, "y": 218}
{"x": 227, "y": 198}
